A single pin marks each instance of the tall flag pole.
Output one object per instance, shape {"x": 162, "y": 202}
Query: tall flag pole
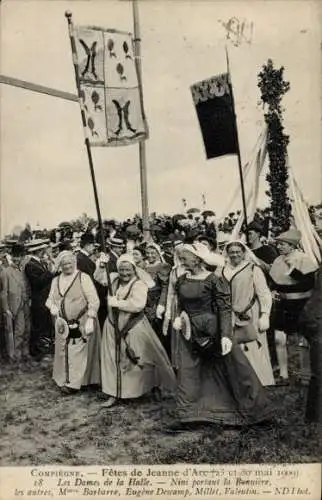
{"x": 240, "y": 167}
{"x": 142, "y": 150}
{"x": 86, "y": 123}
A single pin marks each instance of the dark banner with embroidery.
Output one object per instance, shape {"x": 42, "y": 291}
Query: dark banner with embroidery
{"x": 213, "y": 102}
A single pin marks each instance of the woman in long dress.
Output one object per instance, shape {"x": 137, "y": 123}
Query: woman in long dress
{"x": 171, "y": 307}
{"x": 156, "y": 300}
{"x": 216, "y": 382}
{"x": 73, "y": 302}
{"x": 252, "y": 303}
{"x": 144, "y": 364}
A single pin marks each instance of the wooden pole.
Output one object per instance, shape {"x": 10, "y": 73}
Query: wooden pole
{"x": 142, "y": 150}
{"x": 40, "y": 89}
{"x": 98, "y": 211}
{"x": 240, "y": 167}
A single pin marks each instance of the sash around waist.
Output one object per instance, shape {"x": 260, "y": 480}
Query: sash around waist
{"x": 204, "y": 323}
{"x": 294, "y": 295}
{"x": 197, "y": 314}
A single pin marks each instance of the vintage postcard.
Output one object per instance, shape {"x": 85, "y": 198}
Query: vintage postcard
{"x": 160, "y": 249}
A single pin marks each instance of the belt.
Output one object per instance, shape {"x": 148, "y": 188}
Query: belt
{"x": 295, "y": 295}
{"x": 73, "y": 326}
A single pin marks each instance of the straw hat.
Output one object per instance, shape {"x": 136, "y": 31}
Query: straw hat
{"x": 185, "y": 325}
{"x": 35, "y": 245}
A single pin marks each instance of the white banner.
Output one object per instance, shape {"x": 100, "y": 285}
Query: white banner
{"x": 112, "y": 98}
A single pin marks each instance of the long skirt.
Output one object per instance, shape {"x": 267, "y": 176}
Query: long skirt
{"x": 257, "y": 353}
{"x": 153, "y": 368}
{"x": 77, "y": 363}
{"x": 224, "y": 390}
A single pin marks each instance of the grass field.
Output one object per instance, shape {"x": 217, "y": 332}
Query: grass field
{"x": 40, "y": 426}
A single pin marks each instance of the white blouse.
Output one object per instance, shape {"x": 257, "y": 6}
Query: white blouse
{"x": 63, "y": 282}
{"x": 262, "y": 291}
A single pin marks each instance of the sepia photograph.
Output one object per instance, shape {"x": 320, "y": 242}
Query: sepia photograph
{"x": 161, "y": 248}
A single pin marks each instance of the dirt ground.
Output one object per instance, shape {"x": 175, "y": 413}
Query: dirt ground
{"x": 40, "y": 426}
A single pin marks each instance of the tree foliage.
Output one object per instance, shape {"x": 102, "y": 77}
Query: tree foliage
{"x": 273, "y": 87}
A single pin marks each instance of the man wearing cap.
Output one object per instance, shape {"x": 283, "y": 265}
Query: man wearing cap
{"x": 39, "y": 279}
{"x": 117, "y": 248}
{"x": 14, "y": 298}
{"x": 292, "y": 279}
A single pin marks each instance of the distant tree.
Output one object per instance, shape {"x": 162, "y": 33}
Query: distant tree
{"x": 273, "y": 87}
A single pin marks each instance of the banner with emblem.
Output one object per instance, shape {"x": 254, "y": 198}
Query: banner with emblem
{"x": 111, "y": 96}
{"x": 213, "y": 101}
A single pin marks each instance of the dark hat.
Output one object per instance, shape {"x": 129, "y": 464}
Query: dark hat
{"x": 255, "y": 226}
{"x": 140, "y": 248}
{"x": 65, "y": 245}
{"x": 87, "y": 239}
{"x": 17, "y": 250}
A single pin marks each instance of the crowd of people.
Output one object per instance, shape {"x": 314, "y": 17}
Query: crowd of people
{"x": 204, "y": 319}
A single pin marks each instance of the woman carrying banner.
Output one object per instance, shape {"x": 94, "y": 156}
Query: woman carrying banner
{"x": 216, "y": 382}
{"x": 251, "y": 303}
{"x": 144, "y": 364}
{"x": 73, "y": 302}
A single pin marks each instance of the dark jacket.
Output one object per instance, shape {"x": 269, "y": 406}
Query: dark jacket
{"x": 310, "y": 323}
{"x": 39, "y": 279}
{"x": 85, "y": 264}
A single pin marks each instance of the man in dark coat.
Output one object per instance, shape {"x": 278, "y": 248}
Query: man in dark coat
{"x": 14, "y": 297}
{"x": 310, "y": 323}
{"x": 84, "y": 261}
{"x": 116, "y": 248}
{"x": 86, "y": 265}
{"x": 39, "y": 278}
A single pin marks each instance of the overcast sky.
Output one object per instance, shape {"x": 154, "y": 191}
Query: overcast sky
{"x": 44, "y": 170}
